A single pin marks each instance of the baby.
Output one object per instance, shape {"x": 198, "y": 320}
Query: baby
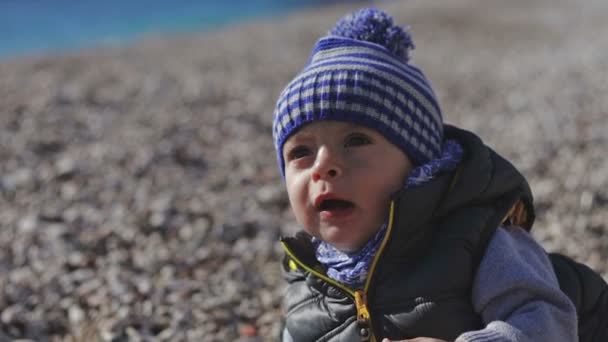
{"x": 413, "y": 229}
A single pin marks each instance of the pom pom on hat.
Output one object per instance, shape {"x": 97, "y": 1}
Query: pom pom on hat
{"x": 375, "y": 26}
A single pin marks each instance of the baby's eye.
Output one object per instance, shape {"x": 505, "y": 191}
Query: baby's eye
{"x": 357, "y": 139}
{"x": 298, "y": 152}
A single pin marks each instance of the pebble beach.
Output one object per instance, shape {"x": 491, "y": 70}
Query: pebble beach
{"x": 140, "y": 198}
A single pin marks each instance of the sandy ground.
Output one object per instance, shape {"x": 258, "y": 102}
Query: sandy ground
{"x": 139, "y": 193}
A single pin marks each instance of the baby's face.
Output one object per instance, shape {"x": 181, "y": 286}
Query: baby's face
{"x": 340, "y": 177}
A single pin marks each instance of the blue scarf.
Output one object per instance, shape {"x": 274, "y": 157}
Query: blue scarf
{"x": 351, "y": 268}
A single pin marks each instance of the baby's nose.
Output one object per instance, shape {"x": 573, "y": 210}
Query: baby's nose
{"x": 327, "y": 165}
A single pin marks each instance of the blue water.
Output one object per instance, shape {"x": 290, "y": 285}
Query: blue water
{"x": 39, "y": 26}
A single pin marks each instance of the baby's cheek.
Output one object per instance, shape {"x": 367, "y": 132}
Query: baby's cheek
{"x": 299, "y": 210}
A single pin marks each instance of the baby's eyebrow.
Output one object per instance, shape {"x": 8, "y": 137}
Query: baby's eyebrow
{"x": 351, "y": 126}
{"x": 294, "y": 141}
{"x": 298, "y": 136}
{"x": 359, "y": 129}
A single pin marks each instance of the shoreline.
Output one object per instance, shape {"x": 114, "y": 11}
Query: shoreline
{"x": 112, "y": 32}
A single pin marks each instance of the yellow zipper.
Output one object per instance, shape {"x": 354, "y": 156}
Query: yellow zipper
{"x": 359, "y": 296}
{"x": 315, "y": 272}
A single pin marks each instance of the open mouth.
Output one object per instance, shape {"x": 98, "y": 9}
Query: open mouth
{"x": 335, "y": 204}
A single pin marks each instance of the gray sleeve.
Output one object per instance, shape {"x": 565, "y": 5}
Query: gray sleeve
{"x": 517, "y": 294}
{"x": 286, "y": 337}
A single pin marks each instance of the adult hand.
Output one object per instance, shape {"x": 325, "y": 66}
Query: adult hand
{"x": 417, "y": 339}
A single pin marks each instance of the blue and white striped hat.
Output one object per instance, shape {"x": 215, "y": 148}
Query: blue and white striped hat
{"x": 360, "y": 73}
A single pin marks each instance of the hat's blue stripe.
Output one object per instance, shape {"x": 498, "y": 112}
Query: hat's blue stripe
{"x": 308, "y": 84}
{"x": 285, "y": 118}
{"x": 356, "y": 58}
{"x": 297, "y": 90}
{"x": 401, "y": 72}
{"x": 371, "y": 56}
{"x": 382, "y": 71}
{"x": 333, "y": 42}
{"x": 309, "y": 107}
{"x": 366, "y": 81}
{"x": 347, "y": 44}
{"x": 339, "y": 86}
{"x": 314, "y": 109}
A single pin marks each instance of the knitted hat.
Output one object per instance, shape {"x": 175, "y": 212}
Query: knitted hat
{"x": 360, "y": 73}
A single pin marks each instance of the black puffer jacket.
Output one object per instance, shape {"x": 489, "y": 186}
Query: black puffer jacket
{"x": 424, "y": 270}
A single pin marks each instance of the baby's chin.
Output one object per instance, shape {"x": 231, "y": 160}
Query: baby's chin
{"x": 345, "y": 239}
{"x": 344, "y": 243}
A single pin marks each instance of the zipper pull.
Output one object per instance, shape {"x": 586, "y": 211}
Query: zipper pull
{"x": 363, "y": 316}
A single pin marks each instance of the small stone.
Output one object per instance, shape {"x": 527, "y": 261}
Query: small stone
{"x": 270, "y": 194}
{"x": 11, "y": 314}
{"x": 586, "y": 200}
{"x": 28, "y": 224}
{"x": 65, "y": 167}
{"x": 75, "y": 314}
{"x": 69, "y": 191}
{"x": 17, "y": 179}
{"x": 143, "y": 286}
{"x": 77, "y": 259}
{"x": 157, "y": 219}
{"x": 166, "y": 334}
{"x": 133, "y": 334}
